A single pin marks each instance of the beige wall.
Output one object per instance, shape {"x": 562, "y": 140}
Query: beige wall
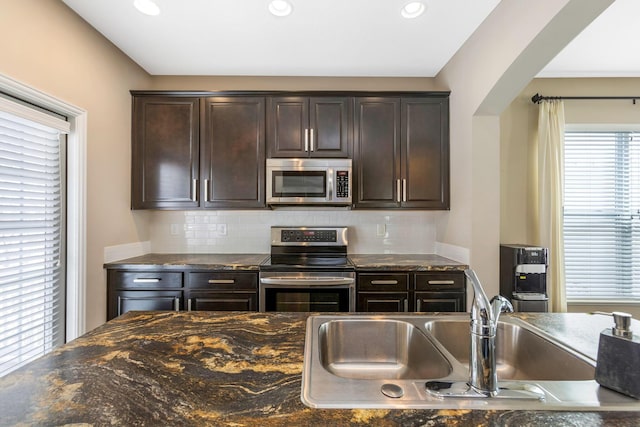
{"x": 45, "y": 45}
{"x": 518, "y": 153}
{"x": 293, "y": 83}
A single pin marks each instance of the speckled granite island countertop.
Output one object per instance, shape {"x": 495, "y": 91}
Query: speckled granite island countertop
{"x": 405, "y": 262}
{"x": 205, "y": 261}
{"x": 227, "y": 369}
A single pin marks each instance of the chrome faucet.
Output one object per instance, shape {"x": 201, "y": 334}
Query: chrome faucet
{"x": 483, "y": 375}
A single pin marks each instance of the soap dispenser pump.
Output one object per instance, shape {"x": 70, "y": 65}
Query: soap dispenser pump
{"x": 618, "y": 360}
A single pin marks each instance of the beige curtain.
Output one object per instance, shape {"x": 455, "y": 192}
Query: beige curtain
{"x": 551, "y": 197}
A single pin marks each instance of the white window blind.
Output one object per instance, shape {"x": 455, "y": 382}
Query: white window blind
{"x": 32, "y": 215}
{"x": 602, "y": 216}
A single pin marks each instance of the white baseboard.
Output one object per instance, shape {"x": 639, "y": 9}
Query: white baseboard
{"x": 127, "y": 250}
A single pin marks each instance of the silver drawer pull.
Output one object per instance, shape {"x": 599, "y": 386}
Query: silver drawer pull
{"x": 221, "y": 281}
{"x": 441, "y": 282}
{"x": 149, "y": 280}
{"x": 384, "y": 282}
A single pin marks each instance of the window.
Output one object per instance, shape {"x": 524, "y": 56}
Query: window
{"x": 602, "y": 216}
{"x": 32, "y": 234}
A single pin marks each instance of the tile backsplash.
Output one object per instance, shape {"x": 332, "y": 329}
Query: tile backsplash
{"x": 248, "y": 231}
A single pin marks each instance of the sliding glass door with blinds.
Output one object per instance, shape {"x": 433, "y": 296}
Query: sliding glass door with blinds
{"x": 602, "y": 216}
{"x": 32, "y": 242}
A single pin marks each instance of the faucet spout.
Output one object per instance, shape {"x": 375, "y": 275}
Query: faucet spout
{"x": 483, "y": 377}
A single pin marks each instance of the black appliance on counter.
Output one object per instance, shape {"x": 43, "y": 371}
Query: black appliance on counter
{"x": 308, "y": 270}
{"x": 523, "y": 277}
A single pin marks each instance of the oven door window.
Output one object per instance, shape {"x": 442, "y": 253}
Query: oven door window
{"x": 299, "y": 184}
{"x": 303, "y": 300}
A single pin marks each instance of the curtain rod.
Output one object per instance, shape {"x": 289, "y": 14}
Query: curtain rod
{"x": 537, "y": 98}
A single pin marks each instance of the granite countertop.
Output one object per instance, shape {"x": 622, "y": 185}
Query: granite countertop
{"x": 405, "y": 262}
{"x": 205, "y": 261}
{"x": 227, "y": 369}
{"x": 395, "y": 262}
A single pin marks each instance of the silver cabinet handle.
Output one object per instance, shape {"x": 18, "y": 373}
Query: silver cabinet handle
{"x": 306, "y": 140}
{"x": 441, "y": 282}
{"x": 146, "y": 280}
{"x": 194, "y": 190}
{"x": 311, "y": 139}
{"x": 206, "y": 190}
{"x": 406, "y": 305}
{"x": 384, "y": 282}
{"x": 189, "y": 304}
{"x": 221, "y": 281}
{"x": 398, "y": 190}
{"x": 419, "y": 306}
{"x": 404, "y": 190}
{"x": 176, "y": 304}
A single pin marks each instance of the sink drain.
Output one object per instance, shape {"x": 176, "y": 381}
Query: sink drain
{"x": 392, "y": 390}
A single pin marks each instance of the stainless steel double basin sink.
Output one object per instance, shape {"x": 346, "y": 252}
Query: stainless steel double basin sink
{"x": 384, "y": 361}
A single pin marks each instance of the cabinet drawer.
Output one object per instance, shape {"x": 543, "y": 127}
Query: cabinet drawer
{"x": 223, "y": 280}
{"x": 428, "y": 281}
{"x": 145, "y": 279}
{"x": 383, "y": 282}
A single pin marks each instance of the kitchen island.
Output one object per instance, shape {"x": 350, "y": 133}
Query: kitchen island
{"x": 232, "y": 368}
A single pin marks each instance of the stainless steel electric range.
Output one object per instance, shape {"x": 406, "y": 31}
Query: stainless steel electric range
{"x": 308, "y": 270}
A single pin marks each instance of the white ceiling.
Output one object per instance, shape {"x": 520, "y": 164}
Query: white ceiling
{"x": 335, "y": 37}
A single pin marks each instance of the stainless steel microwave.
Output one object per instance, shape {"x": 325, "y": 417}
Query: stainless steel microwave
{"x": 309, "y": 182}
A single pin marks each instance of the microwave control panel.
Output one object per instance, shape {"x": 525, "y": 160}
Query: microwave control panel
{"x": 342, "y": 184}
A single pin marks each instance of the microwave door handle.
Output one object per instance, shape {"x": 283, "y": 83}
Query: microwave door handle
{"x": 330, "y": 184}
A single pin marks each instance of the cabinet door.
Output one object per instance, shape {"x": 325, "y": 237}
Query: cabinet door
{"x": 164, "y": 169}
{"x": 329, "y": 125}
{"x": 145, "y": 300}
{"x": 425, "y": 153}
{"x": 377, "y": 152}
{"x": 222, "y": 301}
{"x": 439, "y": 301}
{"x": 393, "y": 302}
{"x": 288, "y": 124}
{"x": 233, "y": 158}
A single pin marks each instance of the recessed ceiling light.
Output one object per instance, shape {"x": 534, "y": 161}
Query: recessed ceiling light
{"x": 280, "y": 8}
{"x": 413, "y": 9}
{"x": 148, "y": 7}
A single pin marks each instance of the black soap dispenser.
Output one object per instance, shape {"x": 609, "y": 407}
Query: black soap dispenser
{"x": 618, "y": 362}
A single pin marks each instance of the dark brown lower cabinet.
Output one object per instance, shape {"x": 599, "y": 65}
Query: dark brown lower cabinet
{"x": 222, "y": 301}
{"x": 411, "y": 292}
{"x": 439, "y": 301}
{"x": 188, "y": 289}
{"x": 222, "y": 291}
{"x": 145, "y": 300}
{"x": 392, "y": 302}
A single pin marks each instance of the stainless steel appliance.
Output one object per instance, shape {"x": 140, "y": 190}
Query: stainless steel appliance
{"x": 308, "y": 271}
{"x": 523, "y": 277}
{"x": 309, "y": 182}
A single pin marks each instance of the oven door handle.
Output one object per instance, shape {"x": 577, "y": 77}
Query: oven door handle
{"x": 307, "y": 281}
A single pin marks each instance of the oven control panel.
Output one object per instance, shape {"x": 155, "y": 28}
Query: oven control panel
{"x": 292, "y": 236}
{"x": 308, "y": 236}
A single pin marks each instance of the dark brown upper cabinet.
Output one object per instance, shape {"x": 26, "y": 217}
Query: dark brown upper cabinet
{"x": 198, "y": 152}
{"x": 309, "y": 126}
{"x": 401, "y": 152}
{"x": 165, "y": 155}
{"x": 233, "y": 162}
